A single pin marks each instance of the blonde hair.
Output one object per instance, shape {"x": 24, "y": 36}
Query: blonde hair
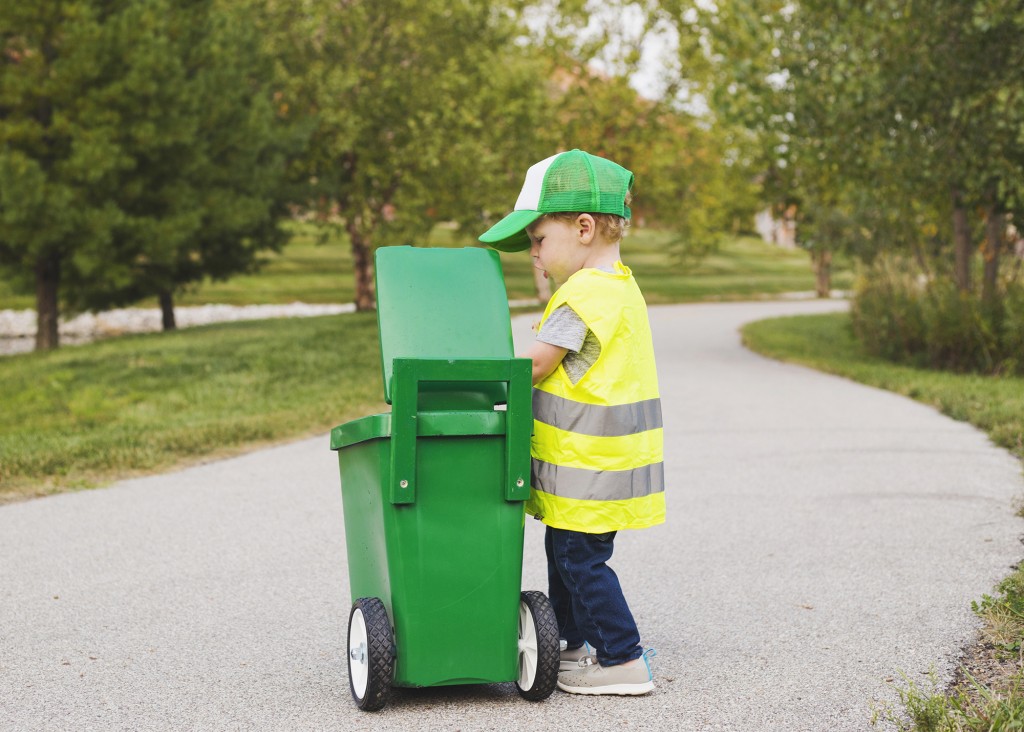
{"x": 610, "y": 226}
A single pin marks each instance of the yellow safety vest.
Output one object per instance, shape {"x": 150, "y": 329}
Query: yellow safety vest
{"x": 597, "y": 444}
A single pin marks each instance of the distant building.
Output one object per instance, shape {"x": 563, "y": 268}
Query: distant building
{"x": 781, "y": 231}
{"x": 1014, "y": 240}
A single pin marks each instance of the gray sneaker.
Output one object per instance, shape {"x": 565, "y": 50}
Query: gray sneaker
{"x": 590, "y": 677}
{"x": 569, "y": 660}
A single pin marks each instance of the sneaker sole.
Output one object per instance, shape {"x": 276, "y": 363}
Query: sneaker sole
{"x": 613, "y": 689}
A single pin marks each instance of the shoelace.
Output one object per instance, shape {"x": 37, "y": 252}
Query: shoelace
{"x": 648, "y": 655}
{"x": 591, "y": 659}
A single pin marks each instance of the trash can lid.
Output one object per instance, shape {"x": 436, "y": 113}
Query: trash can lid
{"x": 441, "y": 303}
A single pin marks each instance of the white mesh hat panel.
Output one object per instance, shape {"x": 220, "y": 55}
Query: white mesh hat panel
{"x": 529, "y": 197}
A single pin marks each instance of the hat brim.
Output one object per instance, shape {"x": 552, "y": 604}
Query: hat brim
{"x": 509, "y": 234}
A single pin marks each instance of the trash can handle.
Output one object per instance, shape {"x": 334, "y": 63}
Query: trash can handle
{"x": 406, "y": 377}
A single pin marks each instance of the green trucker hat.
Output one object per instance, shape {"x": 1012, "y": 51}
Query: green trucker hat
{"x": 573, "y": 181}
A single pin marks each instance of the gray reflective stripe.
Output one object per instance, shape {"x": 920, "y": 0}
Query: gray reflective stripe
{"x": 598, "y": 485}
{"x": 595, "y": 419}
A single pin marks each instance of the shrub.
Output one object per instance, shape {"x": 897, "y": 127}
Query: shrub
{"x": 1013, "y": 329}
{"x": 887, "y": 315}
{"x": 901, "y": 315}
{"x": 960, "y": 331}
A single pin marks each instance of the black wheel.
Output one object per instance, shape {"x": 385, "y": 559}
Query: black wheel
{"x": 538, "y": 647}
{"x": 371, "y": 654}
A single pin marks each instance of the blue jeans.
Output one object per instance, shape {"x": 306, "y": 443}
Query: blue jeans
{"x": 587, "y": 597}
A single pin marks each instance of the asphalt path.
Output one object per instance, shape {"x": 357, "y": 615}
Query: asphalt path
{"x": 822, "y": 539}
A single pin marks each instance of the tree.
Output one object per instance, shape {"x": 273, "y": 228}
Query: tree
{"x": 773, "y": 81}
{"x": 681, "y": 178}
{"x": 690, "y": 181}
{"x": 420, "y": 112}
{"x": 204, "y": 196}
{"x": 137, "y": 154}
{"x": 881, "y": 114}
{"x": 59, "y": 154}
{"x": 946, "y": 114}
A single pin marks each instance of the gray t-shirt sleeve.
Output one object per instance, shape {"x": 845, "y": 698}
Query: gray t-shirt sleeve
{"x": 564, "y": 328}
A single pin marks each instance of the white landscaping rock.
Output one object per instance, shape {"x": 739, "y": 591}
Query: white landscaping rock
{"x": 18, "y": 327}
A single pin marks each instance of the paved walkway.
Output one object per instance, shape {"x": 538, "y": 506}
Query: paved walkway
{"x": 822, "y": 538}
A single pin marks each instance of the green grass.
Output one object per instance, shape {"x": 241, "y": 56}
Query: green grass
{"x": 11, "y": 300}
{"x": 85, "y": 415}
{"x": 316, "y": 267}
{"x": 971, "y": 707}
{"x": 743, "y": 268}
{"x": 994, "y": 404}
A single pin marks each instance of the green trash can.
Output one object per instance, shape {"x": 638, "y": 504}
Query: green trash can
{"x": 433, "y": 492}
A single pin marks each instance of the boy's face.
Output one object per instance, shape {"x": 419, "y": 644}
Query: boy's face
{"x": 557, "y": 248}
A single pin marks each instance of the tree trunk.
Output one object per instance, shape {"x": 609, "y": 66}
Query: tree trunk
{"x": 822, "y": 262}
{"x": 543, "y": 285}
{"x": 995, "y": 227}
{"x": 362, "y": 263}
{"x": 961, "y": 243}
{"x": 167, "y": 310}
{"x": 47, "y": 311}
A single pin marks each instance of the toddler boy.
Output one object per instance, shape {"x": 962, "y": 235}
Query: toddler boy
{"x": 597, "y": 444}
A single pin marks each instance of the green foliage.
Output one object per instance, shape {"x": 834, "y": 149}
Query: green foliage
{"x": 887, "y": 314}
{"x": 902, "y": 314}
{"x": 1004, "y": 614}
{"x": 740, "y": 268}
{"x": 1011, "y": 333}
{"x": 419, "y": 112}
{"x": 974, "y": 708}
{"x": 144, "y": 141}
{"x": 204, "y": 194}
{"x": 689, "y": 180}
{"x": 138, "y": 148}
{"x": 308, "y": 268}
{"x": 870, "y": 116}
{"x": 59, "y": 148}
{"x": 1012, "y": 597}
{"x": 681, "y": 185}
{"x": 961, "y": 332}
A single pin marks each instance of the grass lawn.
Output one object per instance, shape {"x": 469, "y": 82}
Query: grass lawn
{"x": 317, "y": 268}
{"x": 743, "y": 268}
{"x": 81, "y": 416}
{"x": 989, "y": 692}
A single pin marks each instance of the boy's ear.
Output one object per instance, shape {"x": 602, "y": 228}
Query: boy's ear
{"x": 586, "y": 227}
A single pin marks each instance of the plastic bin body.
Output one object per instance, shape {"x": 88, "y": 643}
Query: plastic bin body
{"x": 433, "y": 492}
{"x": 448, "y": 567}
